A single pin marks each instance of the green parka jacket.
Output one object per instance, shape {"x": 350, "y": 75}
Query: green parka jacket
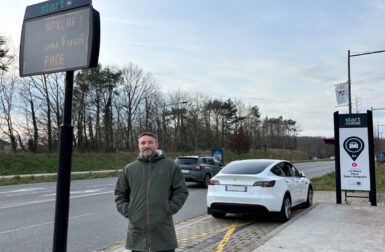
{"x": 148, "y": 192}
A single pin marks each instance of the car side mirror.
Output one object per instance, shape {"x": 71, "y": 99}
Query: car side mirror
{"x": 302, "y": 174}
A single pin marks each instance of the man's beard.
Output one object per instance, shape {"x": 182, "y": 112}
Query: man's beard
{"x": 148, "y": 153}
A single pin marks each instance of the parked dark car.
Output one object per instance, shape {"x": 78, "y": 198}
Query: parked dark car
{"x": 199, "y": 168}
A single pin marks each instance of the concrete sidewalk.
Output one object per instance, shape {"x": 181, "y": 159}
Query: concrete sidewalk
{"x": 352, "y": 226}
{"x": 332, "y": 228}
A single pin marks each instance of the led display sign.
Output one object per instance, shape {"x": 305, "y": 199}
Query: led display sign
{"x": 58, "y": 42}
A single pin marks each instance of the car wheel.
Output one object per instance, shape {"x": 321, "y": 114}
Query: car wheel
{"x": 309, "y": 200}
{"x": 206, "y": 180}
{"x": 218, "y": 214}
{"x": 285, "y": 213}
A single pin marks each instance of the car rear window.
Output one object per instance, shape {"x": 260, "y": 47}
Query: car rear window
{"x": 246, "y": 167}
{"x": 186, "y": 161}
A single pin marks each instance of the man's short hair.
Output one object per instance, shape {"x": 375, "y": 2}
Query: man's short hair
{"x": 148, "y": 134}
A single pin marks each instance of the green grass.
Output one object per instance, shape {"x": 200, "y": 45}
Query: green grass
{"x": 328, "y": 181}
{"x": 27, "y": 163}
{"x": 293, "y": 156}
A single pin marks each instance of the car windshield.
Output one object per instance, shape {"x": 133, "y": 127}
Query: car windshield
{"x": 246, "y": 167}
{"x": 186, "y": 161}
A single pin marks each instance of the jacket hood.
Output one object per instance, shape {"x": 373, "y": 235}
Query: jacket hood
{"x": 158, "y": 155}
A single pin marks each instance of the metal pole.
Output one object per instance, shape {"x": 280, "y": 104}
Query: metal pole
{"x": 337, "y": 158}
{"x": 349, "y": 84}
{"x": 372, "y": 169}
{"x": 378, "y": 131}
{"x": 164, "y": 107}
{"x": 64, "y": 171}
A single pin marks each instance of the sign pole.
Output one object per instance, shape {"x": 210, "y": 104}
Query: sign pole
{"x": 64, "y": 172}
{"x": 60, "y": 36}
{"x": 337, "y": 158}
{"x": 372, "y": 167}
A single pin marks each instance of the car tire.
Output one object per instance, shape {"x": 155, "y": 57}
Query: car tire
{"x": 218, "y": 214}
{"x": 309, "y": 200}
{"x": 285, "y": 213}
{"x": 206, "y": 179}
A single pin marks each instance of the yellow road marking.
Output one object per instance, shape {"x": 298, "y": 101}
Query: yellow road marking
{"x": 213, "y": 232}
{"x": 227, "y": 236}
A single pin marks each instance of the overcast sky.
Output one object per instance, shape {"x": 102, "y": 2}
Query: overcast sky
{"x": 283, "y": 56}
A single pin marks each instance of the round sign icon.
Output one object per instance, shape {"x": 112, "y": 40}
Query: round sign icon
{"x": 354, "y": 146}
{"x": 354, "y": 164}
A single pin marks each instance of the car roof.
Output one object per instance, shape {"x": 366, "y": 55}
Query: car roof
{"x": 255, "y": 161}
{"x": 255, "y": 166}
{"x": 260, "y": 160}
{"x": 194, "y": 156}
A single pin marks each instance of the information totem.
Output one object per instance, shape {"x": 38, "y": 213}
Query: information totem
{"x": 355, "y": 170}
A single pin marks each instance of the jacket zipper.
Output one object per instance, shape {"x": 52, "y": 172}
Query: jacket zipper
{"x": 148, "y": 206}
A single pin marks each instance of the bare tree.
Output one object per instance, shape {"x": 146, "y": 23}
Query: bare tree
{"x": 177, "y": 113}
{"x": 30, "y": 109}
{"x": 194, "y": 120}
{"x": 56, "y": 90}
{"x": 7, "y": 91}
{"x": 43, "y": 87}
{"x": 132, "y": 91}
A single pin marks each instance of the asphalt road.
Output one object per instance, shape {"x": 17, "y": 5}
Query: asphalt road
{"x": 27, "y": 213}
{"x": 316, "y": 169}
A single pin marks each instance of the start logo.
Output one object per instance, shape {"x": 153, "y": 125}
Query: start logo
{"x": 52, "y": 7}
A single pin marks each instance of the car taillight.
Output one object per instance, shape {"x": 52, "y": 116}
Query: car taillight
{"x": 264, "y": 183}
{"x": 197, "y": 167}
{"x": 214, "y": 182}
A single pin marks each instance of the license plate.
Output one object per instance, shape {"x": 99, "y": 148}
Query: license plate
{"x": 185, "y": 171}
{"x": 236, "y": 188}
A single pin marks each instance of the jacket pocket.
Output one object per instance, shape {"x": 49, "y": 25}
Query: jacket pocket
{"x": 160, "y": 212}
{"x": 135, "y": 238}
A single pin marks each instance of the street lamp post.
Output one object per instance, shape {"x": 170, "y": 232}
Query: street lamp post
{"x": 163, "y": 118}
{"x": 378, "y": 126}
{"x": 378, "y": 130}
{"x": 349, "y": 85}
{"x": 349, "y": 82}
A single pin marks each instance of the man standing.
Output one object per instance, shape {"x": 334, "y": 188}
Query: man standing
{"x": 148, "y": 192}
